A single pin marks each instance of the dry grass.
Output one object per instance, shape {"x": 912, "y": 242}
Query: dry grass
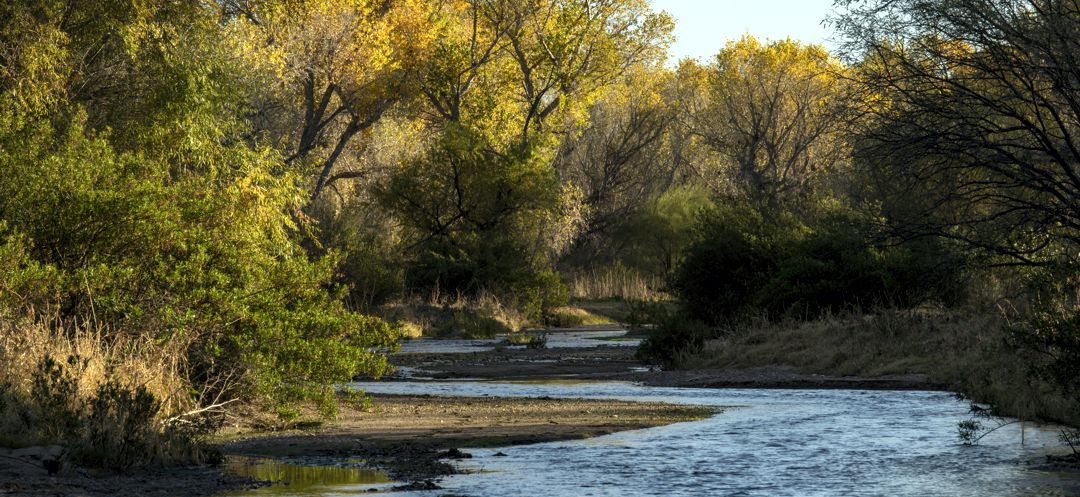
{"x": 125, "y": 402}
{"x": 132, "y": 361}
{"x": 481, "y": 316}
{"x": 616, "y": 282}
{"x": 570, "y": 316}
{"x": 967, "y": 350}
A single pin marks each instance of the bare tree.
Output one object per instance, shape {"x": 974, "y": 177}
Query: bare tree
{"x": 973, "y": 111}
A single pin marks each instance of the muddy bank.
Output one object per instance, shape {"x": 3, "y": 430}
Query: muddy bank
{"x": 26, "y": 477}
{"x": 619, "y": 364}
{"x": 412, "y": 437}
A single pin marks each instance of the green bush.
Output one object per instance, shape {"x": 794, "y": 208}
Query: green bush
{"x": 152, "y": 214}
{"x": 735, "y": 252}
{"x": 833, "y": 267}
{"x": 747, "y": 262}
{"x": 673, "y": 335}
{"x": 539, "y": 296}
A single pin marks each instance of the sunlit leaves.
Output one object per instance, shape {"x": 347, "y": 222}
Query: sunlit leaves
{"x": 131, "y": 194}
{"x": 774, "y": 113}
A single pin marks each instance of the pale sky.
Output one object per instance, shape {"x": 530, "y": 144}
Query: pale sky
{"x": 702, "y": 26}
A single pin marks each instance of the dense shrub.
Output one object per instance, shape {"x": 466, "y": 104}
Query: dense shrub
{"x": 673, "y": 335}
{"x": 146, "y": 210}
{"x": 745, "y": 261}
{"x": 735, "y": 252}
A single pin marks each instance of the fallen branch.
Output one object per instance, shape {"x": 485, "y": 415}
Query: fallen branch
{"x": 214, "y": 407}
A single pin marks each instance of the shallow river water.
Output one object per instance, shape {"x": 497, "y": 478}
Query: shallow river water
{"x": 765, "y": 443}
{"x": 555, "y": 340}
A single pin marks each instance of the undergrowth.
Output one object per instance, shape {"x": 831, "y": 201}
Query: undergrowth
{"x": 968, "y": 351}
{"x": 116, "y": 403}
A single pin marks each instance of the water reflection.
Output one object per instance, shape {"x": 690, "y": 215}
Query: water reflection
{"x": 308, "y": 480}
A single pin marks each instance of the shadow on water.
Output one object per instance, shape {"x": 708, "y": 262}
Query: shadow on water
{"x": 308, "y": 478}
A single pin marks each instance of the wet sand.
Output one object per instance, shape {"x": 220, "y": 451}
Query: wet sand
{"x": 413, "y": 436}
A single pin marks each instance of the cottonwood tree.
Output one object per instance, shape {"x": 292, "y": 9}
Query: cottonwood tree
{"x": 621, "y": 160}
{"x": 508, "y": 66}
{"x": 503, "y": 87}
{"x": 773, "y": 113}
{"x": 338, "y": 66}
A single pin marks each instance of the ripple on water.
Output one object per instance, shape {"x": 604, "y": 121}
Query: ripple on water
{"x": 777, "y": 443}
{"x": 782, "y": 443}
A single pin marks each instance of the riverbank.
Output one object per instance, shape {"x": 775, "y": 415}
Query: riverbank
{"x": 411, "y": 437}
{"x": 24, "y": 476}
{"x": 414, "y": 437}
{"x": 613, "y": 363}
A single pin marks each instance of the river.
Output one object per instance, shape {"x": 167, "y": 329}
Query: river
{"x": 764, "y": 443}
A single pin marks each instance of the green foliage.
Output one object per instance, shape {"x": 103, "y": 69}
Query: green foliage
{"x": 539, "y": 296}
{"x": 745, "y": 263}
{"x": 654, "y": 239}
{"x": 370, "y": 265}
{"x": 735, "y": 252}
{"x": 477, "y": 219}
{"x": 147, "y": 209}
{"x": 672, "y": 336}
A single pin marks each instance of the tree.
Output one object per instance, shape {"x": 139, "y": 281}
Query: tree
{"x": 774, "y": 113}
{"x": 476, "y": 217}
{"x": 973, "y": 108}
{"x": 507, "y": 66}
{"x": 130, "y": 196}
{"x": 621, "y": 160}
{"x": 341, "y": 66}
{"x": 507, "y": 80}
{"x": 973, "y": 112}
